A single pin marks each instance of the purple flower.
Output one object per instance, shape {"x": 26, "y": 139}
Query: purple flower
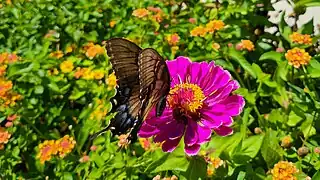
{"x": 199, "y": 101}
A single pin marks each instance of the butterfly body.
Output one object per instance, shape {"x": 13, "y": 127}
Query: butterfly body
{"x": 143, "y": 83}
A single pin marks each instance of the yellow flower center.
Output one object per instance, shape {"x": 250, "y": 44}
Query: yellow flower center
{"x": 186, "y": 97}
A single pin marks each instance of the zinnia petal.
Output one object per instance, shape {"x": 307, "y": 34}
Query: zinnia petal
{"x": 223, "y": 131}
{"x": 147, "y": 130}
{"x": 191, "y": 135}
{"x": 204, "y": 134}
{"x": 219, "y": 95}
{"x": 198, "y": 71}
{"x": 216, "y": 79}
{"x": 170, "y": 145}
{"x": 192, "y": 150}
{"x": 178, "y": 69}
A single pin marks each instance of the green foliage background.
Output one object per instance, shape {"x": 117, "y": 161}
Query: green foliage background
{"x": 276, "y": 97}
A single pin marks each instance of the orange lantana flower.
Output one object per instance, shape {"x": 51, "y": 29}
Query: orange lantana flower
{"x": 297, "y": 57}
{"x": 140, "y": 13}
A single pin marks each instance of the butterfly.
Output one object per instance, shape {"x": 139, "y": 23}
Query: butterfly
{"x": 143, "y": 83}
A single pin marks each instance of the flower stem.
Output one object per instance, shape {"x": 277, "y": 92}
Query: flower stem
{"x": 309, "y": 85}
{"x": 261, "y": 121}
{"x": 309, "y": 130}
{"x": 239, "y": 79}
{"x": 35, "y": 129}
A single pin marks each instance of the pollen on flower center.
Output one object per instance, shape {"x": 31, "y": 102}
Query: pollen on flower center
{"x": 186, "y": 97}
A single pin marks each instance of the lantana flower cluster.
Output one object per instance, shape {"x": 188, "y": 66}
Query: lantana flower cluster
{"x": 213, "y": 164}
{"x": 173, "y": 40}
{"x": 245, "y": 45}
{"x": 92, "y": 50}
{"x": 301, "y": 38}
{"x": 210, "y": 28}
{"x": 88, "y": 73}
{"x": 56, "y": 54}
{"x": 148, "y": 145}
{"x": 297, "y": 57}
{"x": 99, "y": 112}
{"x": 4, "y": 137}
{"x": 157, "y": 13}
{"x": 284, "y": 170}
{"x": 111, "y": 81}
{"x": 7, "y": 96}
{"x": 51, "y": 148}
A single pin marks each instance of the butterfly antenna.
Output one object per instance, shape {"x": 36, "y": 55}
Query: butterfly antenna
{"x": 99, "y": 133}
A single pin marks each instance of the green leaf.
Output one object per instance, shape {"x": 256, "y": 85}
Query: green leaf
{"x": 20, "y": 68}
{"x": 252, "y": 145}
{"x": 96, "y": 173}
{"x": 265, "y": 46}
{"x": 314, "y": 68}
{"x": 165, "y": 162}
{"x": 307, "y": 126}
{"x": 76, "y": 94}
{"x": 53, "y": 86}
{"x": 284, "y": 28}
{"x": 294, "y": 119}
{"x": 97, "y": 159}
{"x": 276, "y": 115}
{"x": 307, "y": 28}
{"x": 225, "y": 64}
{"x": 241, "y": 175}
{"x": 316, "y": 175}
{"x": 272, "y": 55}
{"x": 270, "y": 149}
{"x": 197, "y": 169}
{"x": 67, "y": 176}
{"x": 250, "y": 148}
{"x": 224, "y": 144}
{"x": 281, "y": 71}
{"x": 82, "y": 137}
{"x": 38, "y": 89}
{"x": 238, "y": 57}
{"x": 250, "y": 97}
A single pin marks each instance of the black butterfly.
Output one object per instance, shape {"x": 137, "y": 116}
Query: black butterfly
{"x": 143, "y": 82}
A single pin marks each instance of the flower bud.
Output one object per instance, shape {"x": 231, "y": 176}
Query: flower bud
{"x": 239, "y": 46}
{"x": 303, "y": 151}
{"x": 93, "y": 148}
{"x": 84, "y": 159}
{"x": 257, "y": 130}
{"x": 8, "y": 124}
{"x": 286, "y": 142}
{"x": 280, "y": 49}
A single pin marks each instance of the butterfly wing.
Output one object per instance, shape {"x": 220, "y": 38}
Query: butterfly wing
{"x": 154, "y": 81}
{"x": 124, "y": 59}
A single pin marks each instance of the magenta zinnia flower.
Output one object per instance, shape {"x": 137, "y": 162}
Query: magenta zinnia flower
{"x": 199, "y": 101}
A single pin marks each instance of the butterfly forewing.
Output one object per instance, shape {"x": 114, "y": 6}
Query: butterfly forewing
{"x": 143, "y": 82}
{"x": 154, "y": 80}
{"x": 124, "y": 59}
